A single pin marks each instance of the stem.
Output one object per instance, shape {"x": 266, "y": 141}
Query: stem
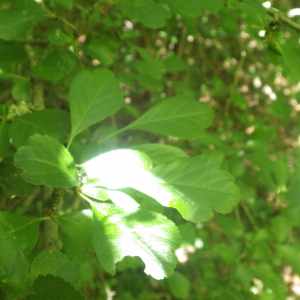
{"x": 277, "y": 14}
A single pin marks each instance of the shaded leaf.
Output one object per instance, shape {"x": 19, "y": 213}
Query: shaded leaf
{"x": 52, "y": 122}
{"x": 51, "y": 287}
{"x": 13, "y": 269}
{"x": 4, "y": 138}
{"x": 24, "y": 231}
{"x": 46, "y": 162}
{"x": 179, "y": 285}
{"x": 176, "y": 116}
{"x": 293, "y": 194}
{"x": 55, "y": 263}
{"x": 142, "y": 233}
{"x": 94, "y": 95}
{"x": 148, "y": 12}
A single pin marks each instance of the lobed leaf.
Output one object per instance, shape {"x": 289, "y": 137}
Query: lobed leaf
{"x": 142, "y": 233}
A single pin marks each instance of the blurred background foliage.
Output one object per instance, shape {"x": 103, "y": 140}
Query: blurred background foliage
{"x": 240, "y": 57}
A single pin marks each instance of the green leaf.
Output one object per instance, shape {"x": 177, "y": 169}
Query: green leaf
{"x": 291, "y": 53}
{"x": 293, "y": 194}
{"x": 94, "y": 95}
{"x": 231, "y": 226}
{"x": 142, "y": 233}
{"x": 46, "y": 162}
{"x": 194, "y": 186}
{"x": 55, "y": 65}
{"x": 58, "y": 37}
{"x": 79, "y": 226}
{"x": 176, "y": 116}
{"x": 13, "y": 269}
{"x": 117, "y": 169}
{"x": 52, "y": 122}
{"x": 148, "y": 12}
{"x": 179, "y": 285}
{"x": 21, "y": 90}
{"x": 51, "y": 287}
{"x": 66, "y": 3}
{"x": 21, "y": 17}
{"x": 55, "y": 263}
{"x": 160, "y": 153}
{"x": 291, "y": 256}
{"x": 24, "y": 231}
{"x": 190, "y": 8}
{"x": 4, "y": 138}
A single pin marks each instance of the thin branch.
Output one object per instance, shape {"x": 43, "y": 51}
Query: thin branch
{"x": 277, "y": 14}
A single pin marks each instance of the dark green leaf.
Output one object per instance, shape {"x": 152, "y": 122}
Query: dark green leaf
{"x": 46, "y": 162}
{"x": 4, "y": 138}
{"x": 55, "y": 263}
{"x": 135, "y": 233}
{"x": 66, "y": 3}
{"x": 52, "y": 122}
{"x": 94, "y": 95}
{"x": 24, "y": 231}
{"x": 51, "y": 287}
{"x": 191, "y": 8}
{"x": 176, "y": 116}
{"x": 21, "y": 90}
{"x": 13, "y": 269}
{"x": 148, "y": 12}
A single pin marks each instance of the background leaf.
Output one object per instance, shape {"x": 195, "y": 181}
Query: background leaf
{"x": 13, "y": 269}
{"x": 148, "y": 12}
{"x": 51, "y": 287}
{"x": 176, "y": 116}
{"x": 53, "y": 122}
{"x": 142, "y": 233}
{"x": 24, "y": 231}
{"x": 94, "y": 95}
{"x": 179, "y": 285}
{"x": 293, "y": 194}
{"x": 55, "y": 263}
{"x": 46, "y": 162}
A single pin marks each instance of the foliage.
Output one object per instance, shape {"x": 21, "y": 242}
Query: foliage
{"x": 128, "y": 129}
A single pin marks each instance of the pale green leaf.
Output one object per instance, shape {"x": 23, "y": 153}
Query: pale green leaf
{"x": 94, "y": 95}
{"x": 148, "y": 12}
{"x": 46, "y": 162}
{"x": 52, "y": 122}
{"x": 13, "y": 269}
{"x": 51, "y": 287}
{"x": 161, "y": 153}
{"x": 55, "y": 263}
{"x": 24, "y": 231}
{"x": 194, "y": 186}
{"x": 142, "y": 233}
{"x": 179, "y": 285}
{"x": 176, "y": 116}
{"x": 117, "y": 169}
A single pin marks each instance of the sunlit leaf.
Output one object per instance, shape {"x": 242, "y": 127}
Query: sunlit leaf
{"x": 142, "y": 233}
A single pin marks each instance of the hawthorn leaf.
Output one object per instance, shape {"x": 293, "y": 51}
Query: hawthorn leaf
{"x": 55, "y": 263}
{"x": 46, "y": 162}
{"x": 176, "y": 116}
{"x": 53, "y": 122}
{"x": 194, "y": 186}
{"x": 117, "y": 169}
{"x": 52, "y": 287}
{"x": 94, "y": 95}
{"x": 79, "y": 226}
{"x": 24, "y": 231}
{"x": 148, "y": 12}
{"x": 161, "y": 153}
{"x": 13, "y": 269}
{"x": 142, "y": 233}
{"x": 179, "y": 285}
